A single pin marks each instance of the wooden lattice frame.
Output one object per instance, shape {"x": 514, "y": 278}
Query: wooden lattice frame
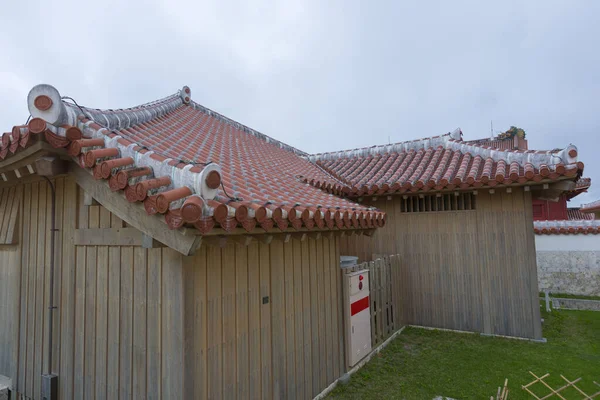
{"x": 556, "y": 392}
{"x": 502, "y": 392}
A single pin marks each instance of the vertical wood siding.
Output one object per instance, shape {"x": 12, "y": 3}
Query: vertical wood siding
{"x": 467, "y": 270}
{"x": 118, "y": 326}
{"x": 10, "y": 280}
{"x": 257, "y": 321}
{"x": 250, "y": 315}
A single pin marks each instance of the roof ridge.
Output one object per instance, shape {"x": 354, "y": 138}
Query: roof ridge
{"x": 432, "y": 141}
{"x": 42, "y": 97}
{"x": 247, "y": 129}
{"x": 185, "y": 192}
{"x": 537, "y": 158}
{"x": 453, "y": 140}
{"x": 591, "y": 207}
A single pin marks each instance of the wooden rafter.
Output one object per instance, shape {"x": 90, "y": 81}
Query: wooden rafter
{"x": 133, "y": 214}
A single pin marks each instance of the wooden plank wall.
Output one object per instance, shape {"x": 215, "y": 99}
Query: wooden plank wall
{"x": 262, "y": 321}
{"x": 10, "y": 279}
{"x": 466, "y": 270}
{"x": 257, "y": 321}
{"x": 119, "y": 323}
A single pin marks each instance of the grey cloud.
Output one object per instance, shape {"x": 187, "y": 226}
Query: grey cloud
{"x": 324, "y": 76}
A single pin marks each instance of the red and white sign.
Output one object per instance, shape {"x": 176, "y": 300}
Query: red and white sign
{"x": 358, "y": 316}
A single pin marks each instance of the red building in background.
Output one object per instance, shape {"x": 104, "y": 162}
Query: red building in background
{"x": 545, "y": 210}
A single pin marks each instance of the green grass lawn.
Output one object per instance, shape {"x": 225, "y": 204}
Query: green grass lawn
{"x": 421, "y": 364}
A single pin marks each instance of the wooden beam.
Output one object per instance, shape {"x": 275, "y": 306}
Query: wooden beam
{"x": 28, "y": 156}
{"x": 148, "y": 242}
{"x": 216, "y": 241}
{"x": 50, "y": 166}
{"x": 550, "y": 195}
{"x": 107, "y": 237}
{"x": 242, "y": 240}
{"x": 266, "y": 239}
{"x": 196, "y": 244}
{"x": 134, "y": 214}
{"x": 565, "y": 186}
{"x": 299, "y": 236}
{"x": 88, "y": 200}
{"x": 314, "y": 235}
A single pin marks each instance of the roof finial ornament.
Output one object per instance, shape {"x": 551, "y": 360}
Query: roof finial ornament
{"x": 44, "y": 102}
{"x": 186, "y": 94}
{"x": 456, "y": 134}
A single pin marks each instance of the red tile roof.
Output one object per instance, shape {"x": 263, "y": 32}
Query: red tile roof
{"x": 575, "y": 214}
{"x": 581, "y": 186}
{"x": 583, "y": 183}
{"x": 191, "y": 164}
{"x": 439, "y": 163}
{"x": 591, "y": 207}
{"x": 566, "y": 227}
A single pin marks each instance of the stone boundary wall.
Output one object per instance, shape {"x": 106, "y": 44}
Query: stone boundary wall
{"x": 569, "y": 264}
{"x": 572, "y": 272}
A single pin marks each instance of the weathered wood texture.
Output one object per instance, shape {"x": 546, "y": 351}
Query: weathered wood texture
{"x": 468, "y": 270}
{"x": 248, "y": 320}
{"x": 10, "y": 207}
{"x": 229, "y": 322}
{"x": 385, "y": 303}
{"x": 10, "y": 279}
{"x": 118, "y": 328}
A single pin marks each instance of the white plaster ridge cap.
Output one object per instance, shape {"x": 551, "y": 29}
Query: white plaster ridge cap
{"x": 424, "y": 143}
{"x": 566, "y": 156}
{"x": 44, "y": 101}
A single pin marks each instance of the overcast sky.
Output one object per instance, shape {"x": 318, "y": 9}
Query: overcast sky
{"x": 324, "y": 75}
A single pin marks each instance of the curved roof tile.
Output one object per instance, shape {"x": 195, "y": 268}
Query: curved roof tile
{"x": 591, "y": 207}
{"x": 566, "y": 227}
{"x": 191, "y": 164}
{"x": 443, "y": 162}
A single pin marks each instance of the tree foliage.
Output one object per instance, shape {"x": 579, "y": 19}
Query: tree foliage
{"x": 512, "y": 132}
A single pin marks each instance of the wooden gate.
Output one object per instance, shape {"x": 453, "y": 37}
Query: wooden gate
{"x": 384, "y": 275}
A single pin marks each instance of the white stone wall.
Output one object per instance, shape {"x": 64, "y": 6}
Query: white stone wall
{"x": 569, "y": 263}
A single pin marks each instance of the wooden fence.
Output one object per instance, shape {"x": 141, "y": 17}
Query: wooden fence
{"x": 385, "y": 296}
